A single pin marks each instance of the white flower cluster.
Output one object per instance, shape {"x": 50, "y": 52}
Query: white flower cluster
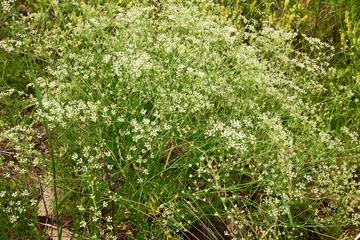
{"x": 146, "y": 103}
{"x": 7, "y": 5}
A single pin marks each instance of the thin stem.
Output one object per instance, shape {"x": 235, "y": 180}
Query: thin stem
{"x": 50, "y": 141}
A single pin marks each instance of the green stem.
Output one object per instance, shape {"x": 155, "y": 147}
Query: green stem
{"x": 50, "y": 142}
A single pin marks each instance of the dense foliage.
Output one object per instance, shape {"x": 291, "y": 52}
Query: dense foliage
{"x": 169, "y": 120}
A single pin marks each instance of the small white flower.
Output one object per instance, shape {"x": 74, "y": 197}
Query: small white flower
{"x": 13, "y": 218}
{"x": 83, "y": 224}
{"x": 81, "y": 208}
{"x": 33, "y": 202}
{"x": 2, "y": 194}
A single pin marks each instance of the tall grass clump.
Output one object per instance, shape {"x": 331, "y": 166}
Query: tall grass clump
{"x": 168, "y": 121}
{"x": 335, "y": 21}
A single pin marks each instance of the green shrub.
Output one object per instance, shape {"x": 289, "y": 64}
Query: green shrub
{"x": 169, "y": 120}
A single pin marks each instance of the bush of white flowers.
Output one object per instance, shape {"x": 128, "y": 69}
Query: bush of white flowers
{"x": 170, "y": 121}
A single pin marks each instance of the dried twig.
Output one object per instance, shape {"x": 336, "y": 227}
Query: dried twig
{"x": 7, "y": 153}
{"x": 357, "y": 237}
